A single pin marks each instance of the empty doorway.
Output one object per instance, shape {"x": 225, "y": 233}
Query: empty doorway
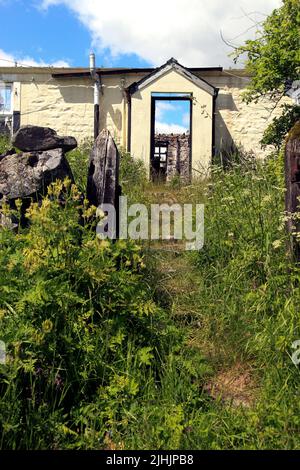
{"x": 171, "y": 136}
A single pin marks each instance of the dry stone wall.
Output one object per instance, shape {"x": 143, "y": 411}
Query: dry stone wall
{"x": 178, "y": 154}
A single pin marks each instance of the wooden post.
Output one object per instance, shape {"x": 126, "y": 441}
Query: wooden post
{"x": 103, "y": 177}
{"x": 292, "y": 178}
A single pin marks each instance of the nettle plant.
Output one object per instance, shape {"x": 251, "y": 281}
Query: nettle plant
{"x": 83, "y": 334}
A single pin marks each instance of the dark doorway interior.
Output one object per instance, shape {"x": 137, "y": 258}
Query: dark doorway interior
{"x": 160, "y": 159}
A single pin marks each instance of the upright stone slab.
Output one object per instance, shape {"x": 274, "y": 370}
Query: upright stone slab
{"x": 103, "y": 176}
{"x": 292, "y": 177}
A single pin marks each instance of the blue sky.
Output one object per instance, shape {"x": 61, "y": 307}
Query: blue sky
{"x": 172, "y": 116}
{"x": 62, "y": 32}
{"x": 37, "y": 37}
{"x": 51, "y": 36}
{"x": 135, "y": 33}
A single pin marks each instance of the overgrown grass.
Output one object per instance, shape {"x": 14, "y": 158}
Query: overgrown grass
{"x": 88, "y": 349}
{"x": 79, "y": 161}
{"x": 238, "y": 301}
{"x": 249, "y": 305}
{"x": 105, "y": 352}
{"x": 4, "y": 144}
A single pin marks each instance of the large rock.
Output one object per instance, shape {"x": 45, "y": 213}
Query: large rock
{"x": 9, "y": 152}
{"x": 29, "y": 174}
{"x": 35, "y": 138}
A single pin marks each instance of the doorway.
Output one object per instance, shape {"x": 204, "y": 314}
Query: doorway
{"x": 171, "y": 136}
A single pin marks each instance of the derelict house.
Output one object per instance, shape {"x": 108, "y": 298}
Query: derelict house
{"x": 83, "y": 101}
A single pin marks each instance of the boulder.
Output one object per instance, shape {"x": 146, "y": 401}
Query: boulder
{"x": 27, "y": 175}
{"x": 35, "y": 138}
{"x": 9, "y": 152}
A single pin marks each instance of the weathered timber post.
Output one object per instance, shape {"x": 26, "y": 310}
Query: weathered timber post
{"x": 103, "y": 177}
{"x": 292, "y": 178}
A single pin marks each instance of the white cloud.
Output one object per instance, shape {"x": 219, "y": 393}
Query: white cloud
{"x": 8, "y": 60}
{"x": 166, "y": 128}
{"x": 186, "y": 118}
{"x": 162, "y": 107}
{"x": 164, "y": 123}
{"x": 188, "y": 30}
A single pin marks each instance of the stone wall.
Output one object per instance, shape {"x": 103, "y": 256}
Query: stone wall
{"x": 178, "y": 154}
{"x": 67, "y": 105}
{"x": 238, "y": 124}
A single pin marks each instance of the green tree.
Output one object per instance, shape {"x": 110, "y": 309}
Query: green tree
{"x": 273, "y": 58}
{"x": 277, "y": 130}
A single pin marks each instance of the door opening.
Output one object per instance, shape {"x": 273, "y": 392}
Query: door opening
{"x": 171, "y": 136}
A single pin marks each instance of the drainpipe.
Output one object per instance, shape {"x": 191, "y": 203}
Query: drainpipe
{"x": 124, "y": 114}
{"x": 97, "y": 86}
{"x": 216, "y": 93}
{"x": 128, "y": 96}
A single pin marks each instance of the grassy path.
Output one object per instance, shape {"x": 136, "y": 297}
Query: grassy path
{"x": 180, "y": 283}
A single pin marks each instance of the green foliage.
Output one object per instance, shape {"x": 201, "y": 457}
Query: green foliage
{"x": 273, "y": 58}
{"x": 175, "y": 182}
{"x": 87, "y": 345}
{"x": 249, "y": 302}
{"x": 133, "y": 177}
{"x": 4, "y": 144}
{"x": 79, "y": 160}
{"x": 278, "y": 129}
{"x": 94, "y": 360}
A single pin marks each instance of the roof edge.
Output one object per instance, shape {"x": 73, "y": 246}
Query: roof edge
{"x": 172, "y": 64}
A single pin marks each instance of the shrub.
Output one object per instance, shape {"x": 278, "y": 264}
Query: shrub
{"x": 133, "y": 177}
{"x": 279, "y": 127}
{"x": 79, "y": 160}
{"x": 4, "y": 143}
{"x": 84, "y": 337}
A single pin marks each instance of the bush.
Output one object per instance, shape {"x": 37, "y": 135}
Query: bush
{"x": 4, "y": 144}
{"x": 275, "y": 133}
{"x": 79, "y": 161}
{"x": 133, "y": 177}
{"x": 86, "y": 342}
